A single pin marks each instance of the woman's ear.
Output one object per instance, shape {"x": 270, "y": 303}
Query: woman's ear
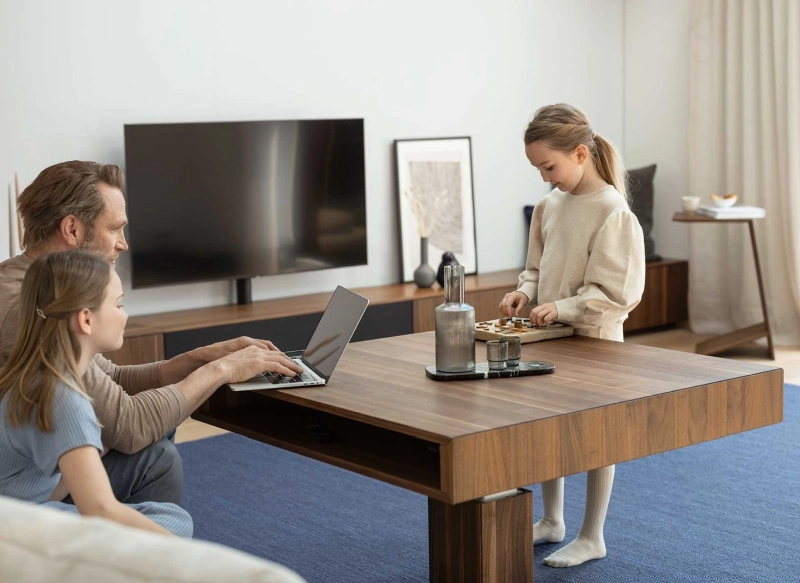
{"x": 81, "y": 322}
{"x": 581, "y": 154}
{"x": 71, "y": 231}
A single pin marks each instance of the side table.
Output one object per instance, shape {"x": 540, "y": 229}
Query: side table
{"x": 723, "y": 342}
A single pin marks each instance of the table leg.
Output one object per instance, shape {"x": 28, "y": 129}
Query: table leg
{"x": 761, "y": 289}
{"x": 482, "y": 541}
{"x": 726, "y": 341}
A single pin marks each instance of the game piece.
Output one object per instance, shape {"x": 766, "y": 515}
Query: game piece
{"x": 522, "y": 328}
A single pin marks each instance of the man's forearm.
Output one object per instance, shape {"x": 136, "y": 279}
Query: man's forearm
{"x": 201, "y": 384}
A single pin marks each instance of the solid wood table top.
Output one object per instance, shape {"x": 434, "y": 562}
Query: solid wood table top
{"x": 382, "y": 382}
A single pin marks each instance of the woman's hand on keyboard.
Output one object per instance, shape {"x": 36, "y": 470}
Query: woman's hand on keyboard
{"x": 246, "y": 363}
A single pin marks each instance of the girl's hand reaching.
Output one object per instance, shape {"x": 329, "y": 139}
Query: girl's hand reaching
{"x": 544, "y": 314}
{"x": 513, "y": 304}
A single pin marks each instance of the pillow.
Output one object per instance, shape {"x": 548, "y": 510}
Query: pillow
{"x": 40, "y": 544}
{"x": 528, "y": 214}
{"x": 640, "y": 186}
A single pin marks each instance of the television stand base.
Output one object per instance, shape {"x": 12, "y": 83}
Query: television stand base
{"x": 244, "y": 291}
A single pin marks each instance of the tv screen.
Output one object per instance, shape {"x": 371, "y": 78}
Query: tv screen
{"x": 232, "y": 200}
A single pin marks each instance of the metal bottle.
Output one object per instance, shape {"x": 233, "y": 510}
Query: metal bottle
{"x": 455, "y": 325}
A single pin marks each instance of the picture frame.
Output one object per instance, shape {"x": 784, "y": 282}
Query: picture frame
{"x": 434, "y": 185}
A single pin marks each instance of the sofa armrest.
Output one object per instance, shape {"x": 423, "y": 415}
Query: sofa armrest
{"x": 40, "y": 544}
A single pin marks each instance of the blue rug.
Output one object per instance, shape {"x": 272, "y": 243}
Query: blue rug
{"x": 719, "y": 511}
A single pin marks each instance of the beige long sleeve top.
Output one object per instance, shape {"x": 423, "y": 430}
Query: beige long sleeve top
{"x": 586, "y": 254}
{"x": 132, "y": 408}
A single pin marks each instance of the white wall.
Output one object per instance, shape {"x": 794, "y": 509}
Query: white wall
{"x": 657, "y": 109}
{"x": 72, "y": 73}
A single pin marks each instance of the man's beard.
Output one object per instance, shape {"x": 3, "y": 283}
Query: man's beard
{"x": 89, "y": 245}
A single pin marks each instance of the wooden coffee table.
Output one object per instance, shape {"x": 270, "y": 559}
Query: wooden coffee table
{"x": 470, "y": 446}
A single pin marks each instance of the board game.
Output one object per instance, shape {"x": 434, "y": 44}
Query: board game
{"x": 522, "y": 327}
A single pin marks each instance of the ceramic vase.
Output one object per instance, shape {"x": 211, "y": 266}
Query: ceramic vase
{"x": 424, "y": 275}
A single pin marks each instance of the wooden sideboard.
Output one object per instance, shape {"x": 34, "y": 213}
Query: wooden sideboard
{"x": 665, "y": 298}
{"x": 394, "y": 310}
{"x": 289, "y": 322}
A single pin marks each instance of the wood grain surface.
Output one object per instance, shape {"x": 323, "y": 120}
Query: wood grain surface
{"x": 607, "y": 402}
{"x": 482, "y": 542}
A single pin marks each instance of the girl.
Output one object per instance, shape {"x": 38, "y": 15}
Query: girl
{"x": 585, "y": 268}
{"x": 71, "y": 309}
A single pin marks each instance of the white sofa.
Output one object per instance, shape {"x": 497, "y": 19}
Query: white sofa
{"x": 43, "y": 545}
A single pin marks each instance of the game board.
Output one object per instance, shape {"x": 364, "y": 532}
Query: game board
{"x": 494, "y": 329}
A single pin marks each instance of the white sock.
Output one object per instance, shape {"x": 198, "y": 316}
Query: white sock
{"x": 551, "y": 527}
{"x": 589, "y": 544}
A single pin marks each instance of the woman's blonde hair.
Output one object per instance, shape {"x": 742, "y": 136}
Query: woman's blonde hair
{"x": 47, "y": 350}
{"x": 564, "y": 127}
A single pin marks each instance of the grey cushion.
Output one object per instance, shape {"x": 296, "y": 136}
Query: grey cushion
{"x": 640, "y": 186}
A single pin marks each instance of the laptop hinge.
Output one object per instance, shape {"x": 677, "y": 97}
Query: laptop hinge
{"x": 313, "y": 369}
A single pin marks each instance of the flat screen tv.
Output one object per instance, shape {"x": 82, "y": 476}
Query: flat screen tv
{"x": 234, "y": 200}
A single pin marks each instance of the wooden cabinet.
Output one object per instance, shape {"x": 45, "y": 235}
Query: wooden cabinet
{"x": 139, "y": 350}
{"x": 394, "y": 310}
{"x": 485, "y": 302}
{"x": 289, "y": 322}
{"x": 664, "y": 301}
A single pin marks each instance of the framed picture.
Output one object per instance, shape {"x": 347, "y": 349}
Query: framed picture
{"x": 436, "y": 201}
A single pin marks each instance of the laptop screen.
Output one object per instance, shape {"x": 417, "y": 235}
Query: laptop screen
{"x": 335, "y": 330}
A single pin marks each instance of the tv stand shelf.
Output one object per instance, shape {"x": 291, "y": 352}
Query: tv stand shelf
{"x": 394, "y": 310}
{"x": 289, "y": 322}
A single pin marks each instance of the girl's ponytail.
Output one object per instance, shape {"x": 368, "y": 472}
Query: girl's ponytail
{"x": 609, "y": 165}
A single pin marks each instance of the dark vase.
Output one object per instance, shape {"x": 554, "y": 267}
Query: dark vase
{"x": 424, "y": 276}
{"x": 447, "y": 259}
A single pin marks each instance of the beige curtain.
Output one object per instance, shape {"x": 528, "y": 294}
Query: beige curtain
{"x": 744, "y": 137}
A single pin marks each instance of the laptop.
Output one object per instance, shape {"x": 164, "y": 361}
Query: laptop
{"x": 324, "y": 350}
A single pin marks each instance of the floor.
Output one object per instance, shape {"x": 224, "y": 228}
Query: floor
{"x": 674, "y": 339}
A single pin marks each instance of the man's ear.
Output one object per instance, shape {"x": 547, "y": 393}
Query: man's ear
{"x": 71, "y": 231}
{"x": 581, "y": 154}
{"x": 81, "y": 322}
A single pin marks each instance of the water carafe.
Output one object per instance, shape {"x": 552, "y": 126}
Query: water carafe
{"x": 455, "y": 325}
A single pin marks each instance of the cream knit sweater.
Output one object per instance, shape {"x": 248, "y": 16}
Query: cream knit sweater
{"x": 586, "y": 254}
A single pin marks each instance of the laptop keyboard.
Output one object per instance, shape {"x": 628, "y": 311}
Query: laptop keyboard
{"x": 280, "y": 379}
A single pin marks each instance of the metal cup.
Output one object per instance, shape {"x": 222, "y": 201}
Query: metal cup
{"x": 496, "y": 354}
{"x": 514, "y": 349}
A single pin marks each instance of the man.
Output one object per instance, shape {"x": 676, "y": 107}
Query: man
{"x": 80, "y": 205}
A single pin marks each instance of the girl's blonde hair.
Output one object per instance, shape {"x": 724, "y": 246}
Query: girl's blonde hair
{"x": 47, "y": 350}
{"x": 564, "y": 127}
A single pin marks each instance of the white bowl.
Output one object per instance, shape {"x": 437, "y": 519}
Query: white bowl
{"x": 690, "y": 203}
{"x": 725, "y": 202}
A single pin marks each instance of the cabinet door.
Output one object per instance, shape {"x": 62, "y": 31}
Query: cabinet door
{"x": 650, "y": 311}
{"x": 665, "y": 296}
{"x": 485, "y": 302}
{"x": 138, "y": 350}
{"x": 677, "y": 290}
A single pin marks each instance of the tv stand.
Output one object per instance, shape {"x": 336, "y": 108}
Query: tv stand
{"x": 244, "y": 291}
{"x": 394, "y": 309}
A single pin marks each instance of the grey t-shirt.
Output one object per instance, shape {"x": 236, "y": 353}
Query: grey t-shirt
{"x": 29, "y": 457}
